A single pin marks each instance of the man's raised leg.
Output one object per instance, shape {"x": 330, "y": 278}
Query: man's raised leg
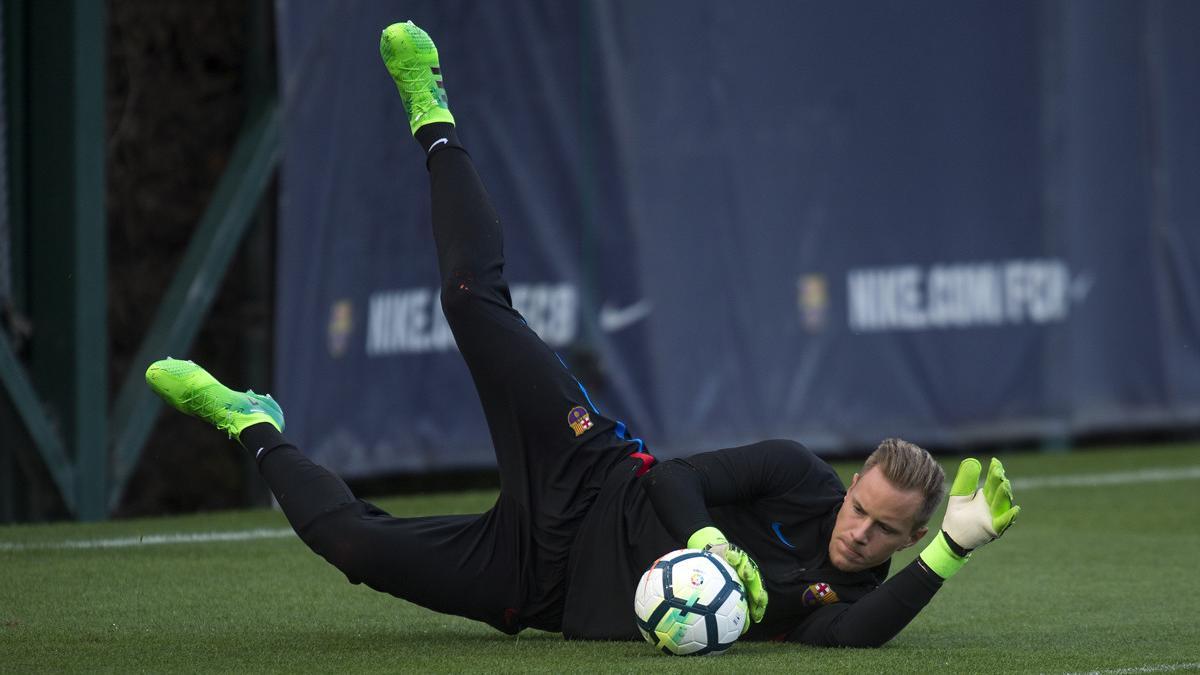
{"x": 452, "y": 564}
{"x": 542, "y": 425}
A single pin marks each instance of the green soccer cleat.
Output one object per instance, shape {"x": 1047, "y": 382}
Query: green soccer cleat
{"x": 192, "y": 391}
{"x": 412, "y": 59}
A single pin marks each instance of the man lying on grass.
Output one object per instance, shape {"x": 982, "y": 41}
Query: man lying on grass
{"x": 584, "y": 509}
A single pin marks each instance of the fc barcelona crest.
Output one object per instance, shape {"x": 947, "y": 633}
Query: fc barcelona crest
{"x": 819, "y": 594}
{"x": 579, "y": 420}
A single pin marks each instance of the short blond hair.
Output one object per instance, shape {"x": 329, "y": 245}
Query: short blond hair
{"x": 910, "y": 467}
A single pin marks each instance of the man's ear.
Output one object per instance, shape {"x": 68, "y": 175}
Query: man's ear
{"x": 917, "y": 535}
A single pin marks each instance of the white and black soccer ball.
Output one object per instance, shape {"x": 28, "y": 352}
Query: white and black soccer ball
{"x": 690, "y": 602}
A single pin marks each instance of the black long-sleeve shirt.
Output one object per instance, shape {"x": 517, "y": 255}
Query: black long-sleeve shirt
{"x": 775, "y": 499}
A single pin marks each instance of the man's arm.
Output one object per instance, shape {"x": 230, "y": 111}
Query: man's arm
{"x": 681, "y": 491}
{"x": 876, "y": 618}
{"x": 973, "y": 518}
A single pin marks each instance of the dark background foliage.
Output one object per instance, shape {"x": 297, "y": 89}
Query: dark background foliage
{"x": 176, "y": 98}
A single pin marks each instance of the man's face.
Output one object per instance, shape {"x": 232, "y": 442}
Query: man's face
{"x": 876, "y": 520}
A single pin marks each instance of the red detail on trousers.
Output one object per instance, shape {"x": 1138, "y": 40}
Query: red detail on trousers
{"x": 646, "y": 460}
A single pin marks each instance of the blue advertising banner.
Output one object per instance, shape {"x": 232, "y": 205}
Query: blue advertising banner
{"x": 952, "y": 222}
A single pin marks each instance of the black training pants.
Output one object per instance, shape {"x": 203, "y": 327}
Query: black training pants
{"x": 506, "y": 567}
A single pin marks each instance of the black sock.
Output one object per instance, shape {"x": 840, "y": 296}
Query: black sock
{"x": 305, "y": 491}
{"x": 437, "y": 137}
{"x": 260, "y": 439}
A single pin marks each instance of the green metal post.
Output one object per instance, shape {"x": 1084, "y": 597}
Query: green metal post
{"x": 91, "y": 264}
{"x": 67, "y": 234}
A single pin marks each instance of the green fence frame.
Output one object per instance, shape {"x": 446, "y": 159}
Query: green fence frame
{"x": 56, "y": 113}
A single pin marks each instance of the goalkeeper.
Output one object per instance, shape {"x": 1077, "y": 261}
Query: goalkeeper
{"x": 583, "y": 509}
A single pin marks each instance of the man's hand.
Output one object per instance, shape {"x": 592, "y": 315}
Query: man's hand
{"x": 711, "y": 539}
{"x": 973, "y": 517}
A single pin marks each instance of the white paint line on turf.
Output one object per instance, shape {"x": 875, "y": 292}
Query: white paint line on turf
{"x": 1156, "y": 475}
{"x": 150, "y": 540}
{"x": 1163, "y": 668}
{"x": 1153, "y": 475}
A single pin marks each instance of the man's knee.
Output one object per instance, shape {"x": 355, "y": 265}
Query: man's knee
{"x": 456, "y": 295}
{"x": 467, "y": 294}
{"x": 343, "y": 540}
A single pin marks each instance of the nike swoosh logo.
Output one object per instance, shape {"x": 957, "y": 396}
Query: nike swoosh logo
{"x": 1080, "y": 285}
{"x": 777, "y": 526}
{"x": 437, "y": 143}
{"x": 258, "y": 454}
{"x": 613, "y": 319}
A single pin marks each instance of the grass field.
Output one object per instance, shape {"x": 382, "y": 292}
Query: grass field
{"x": 1098, "y": 575}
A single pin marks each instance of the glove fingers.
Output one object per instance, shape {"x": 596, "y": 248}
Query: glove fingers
{"x": 995, "y": 476}
{"x": 758, "y": 608}
{"x": 756, "y": 595}
{"x": 1005, "y": 520}
{"x": 747, "y": 572}
{"x": 1000, "y": 499}
{"x": 966, "y": 481}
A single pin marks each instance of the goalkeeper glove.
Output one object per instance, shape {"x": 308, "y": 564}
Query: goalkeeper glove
{"x": 711, "y": 539}
{"x": 973, "y": 517}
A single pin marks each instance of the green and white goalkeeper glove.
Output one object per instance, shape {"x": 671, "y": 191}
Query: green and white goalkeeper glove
{"x": 973, "y": 517}
{"x": 711, "y": 539}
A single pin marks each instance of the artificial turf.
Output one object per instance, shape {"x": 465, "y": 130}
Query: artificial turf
{"x": 1092, "y": 578}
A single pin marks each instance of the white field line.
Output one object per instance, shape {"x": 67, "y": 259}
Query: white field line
{"x": 150, "y": 540}
{"x": 1154, "y": 475}
{"x": 1162, "y": 668}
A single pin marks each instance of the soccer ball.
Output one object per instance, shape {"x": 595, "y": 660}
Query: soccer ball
{"x": 690, "y": 602}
